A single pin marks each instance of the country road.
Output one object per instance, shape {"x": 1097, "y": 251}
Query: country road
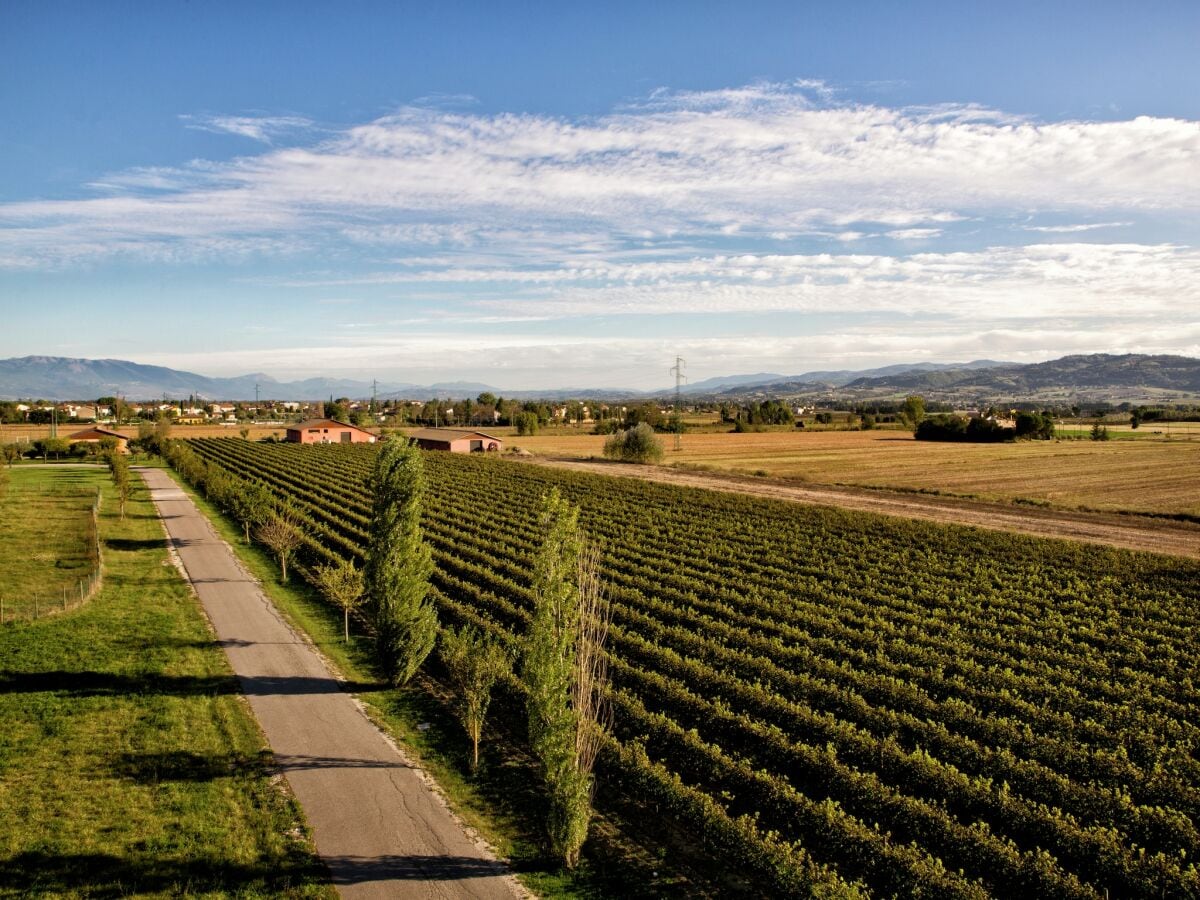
{"x": 1129, "y": 532}
{"x": 377, "y": 824}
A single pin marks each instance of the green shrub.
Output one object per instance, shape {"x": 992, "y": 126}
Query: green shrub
{"x": 638, "y": 445}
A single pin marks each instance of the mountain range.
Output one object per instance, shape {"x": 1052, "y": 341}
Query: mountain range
{"x": 1085, "y": 377}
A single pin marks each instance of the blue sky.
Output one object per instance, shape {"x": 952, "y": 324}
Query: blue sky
{"x": 539, "y": 195}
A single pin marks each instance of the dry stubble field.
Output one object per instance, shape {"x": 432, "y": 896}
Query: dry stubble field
{"x": 1158, "y": 476}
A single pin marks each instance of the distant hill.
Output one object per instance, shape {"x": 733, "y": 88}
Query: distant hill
{"x": 735, "y": 385}
{"x": 1134, "y": 377}
{"x": 64, "y": 378}
{"x": 1130, "y": 376}
{"x": 813, "y": 382}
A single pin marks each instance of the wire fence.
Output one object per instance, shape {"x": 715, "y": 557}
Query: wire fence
{"x": 68, "y": 595}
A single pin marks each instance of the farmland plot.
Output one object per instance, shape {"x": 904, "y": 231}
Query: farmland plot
{"x": 824, "y": 698}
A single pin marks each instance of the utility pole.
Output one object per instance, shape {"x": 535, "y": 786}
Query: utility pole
{"x": 680, "y": 378}
{"x": 374, "y": 402}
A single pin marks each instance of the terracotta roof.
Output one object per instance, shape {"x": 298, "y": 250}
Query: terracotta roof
{"x": 325, "y": 423}
{"x": 96, "y": 432}
{"x": 450, "y": 434}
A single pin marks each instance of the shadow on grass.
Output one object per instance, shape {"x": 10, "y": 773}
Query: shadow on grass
{"x": 107, "y": 875}
{"x": 183, "y": 765}
{"x": 133, "y": 545}
{"x": 108, "y": 684}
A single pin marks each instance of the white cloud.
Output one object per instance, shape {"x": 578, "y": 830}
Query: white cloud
{"x": 745, "y": 162}
{"x": 438, "y": 216}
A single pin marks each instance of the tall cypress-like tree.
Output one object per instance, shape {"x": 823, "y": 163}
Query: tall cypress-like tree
{"x": 564, "y": 671}
{"x": 399, "y": 562}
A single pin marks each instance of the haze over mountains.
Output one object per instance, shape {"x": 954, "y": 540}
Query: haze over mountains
{"x": 1089, "y": 377}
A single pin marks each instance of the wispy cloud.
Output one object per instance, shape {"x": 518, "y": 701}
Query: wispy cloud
{"x": 257, "y": 128}
{"x": 1075, "y": 229}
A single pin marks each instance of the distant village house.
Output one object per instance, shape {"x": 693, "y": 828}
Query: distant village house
{"x": 96, "y": 435}
{"x": 328, "y": 431}
{"x": 456, "y": 441}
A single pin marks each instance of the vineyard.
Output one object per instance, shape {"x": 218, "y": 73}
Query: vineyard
{"x": 821, "y": 699}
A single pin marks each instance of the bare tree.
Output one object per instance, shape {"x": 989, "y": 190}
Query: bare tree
{"x": 282, "y": 532}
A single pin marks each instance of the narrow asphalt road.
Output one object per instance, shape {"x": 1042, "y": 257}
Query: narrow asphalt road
{"x": 377, "y": 823}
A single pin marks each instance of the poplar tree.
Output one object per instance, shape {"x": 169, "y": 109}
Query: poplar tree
{"x": 564, "y": 671}
{"x": 399, "y": 563}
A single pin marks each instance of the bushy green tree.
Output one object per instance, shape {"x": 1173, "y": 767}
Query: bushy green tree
{"x": 527, "y": 423}
{"x": 637, "y": 445}
{"x": 250, "y": 504}
{"x": 564, "y": 671}
{"x": 399, "y": 563}
{"x": 912, "y": 411}
{"x": 475, "y": 662}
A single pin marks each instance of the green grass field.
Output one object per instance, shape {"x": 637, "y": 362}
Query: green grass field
{"x": 46, "y": 546}
{"x": 129, "y": 763}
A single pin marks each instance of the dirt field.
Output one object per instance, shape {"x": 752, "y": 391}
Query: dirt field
{"x": 1157, "y": 476}
{"x": 1128, "y": 532}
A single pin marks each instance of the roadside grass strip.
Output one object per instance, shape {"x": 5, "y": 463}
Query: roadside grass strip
{"x": 129, "y": 763}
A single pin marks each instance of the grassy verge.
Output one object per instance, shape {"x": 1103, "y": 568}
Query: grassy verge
{"x": 502, "y": 801}
{"x": 47, "y": 538}
{"x": 129, "y": 763}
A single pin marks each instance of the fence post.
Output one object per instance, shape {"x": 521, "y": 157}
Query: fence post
{"x": 64, "y": 598}
{"x": 35, "y": 607}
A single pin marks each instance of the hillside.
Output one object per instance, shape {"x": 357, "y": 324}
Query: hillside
{"x": 1096, "y": 376}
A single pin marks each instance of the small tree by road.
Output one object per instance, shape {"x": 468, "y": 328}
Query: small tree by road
{"x": 282, "y": 533}
{"x": 343, "y": 585}
{"x": 251, "y": 505}
{"x": 122, "y": 479}
{"x": 475, "y": 662}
